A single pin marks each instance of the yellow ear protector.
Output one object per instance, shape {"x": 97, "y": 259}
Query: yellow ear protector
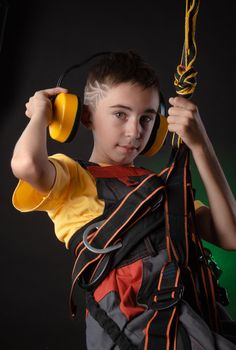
{"x": 67, "y": 109}
{"x": 159, "y": 131}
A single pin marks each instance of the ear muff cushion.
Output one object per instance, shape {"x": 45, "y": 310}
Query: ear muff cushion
{"x": 158, "y": 136}
{"x": 66, "y": 117}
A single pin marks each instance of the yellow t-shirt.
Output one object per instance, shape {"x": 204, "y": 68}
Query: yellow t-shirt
{"x": 71, "y": 203}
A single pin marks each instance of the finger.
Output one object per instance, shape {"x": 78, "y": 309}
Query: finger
{"x": 27, "y": 113}
{"x": 52, "y": 91}
{"x": 182, "y": 102}
{"x": 174, "y": 119}
{"x": 180, "y": 112}
{"x": 178, "y": 120}
{"x": 177, "y": 128}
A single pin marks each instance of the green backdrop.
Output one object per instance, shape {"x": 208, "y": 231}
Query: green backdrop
{"x": 226, "y": 260}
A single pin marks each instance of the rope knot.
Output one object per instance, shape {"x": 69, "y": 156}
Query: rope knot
{"x": 185, "y": 80}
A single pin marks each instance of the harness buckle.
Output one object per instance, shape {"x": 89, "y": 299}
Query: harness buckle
{"x": 163, "y": 299}
{"x": 158, "y": 202}
{"x": 106, "y": 250}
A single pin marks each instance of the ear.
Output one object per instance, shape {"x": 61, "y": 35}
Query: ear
{"x": 86, "y": 117}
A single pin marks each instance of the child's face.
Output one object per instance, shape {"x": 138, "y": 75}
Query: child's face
{"x": 122, "y": 123}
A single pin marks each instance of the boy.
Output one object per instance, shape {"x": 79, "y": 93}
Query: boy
{"x": 121, "y": 101}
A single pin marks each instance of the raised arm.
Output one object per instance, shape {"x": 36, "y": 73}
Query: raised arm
{"x": 217, "y": 224}
{"x": 30, "y": 157}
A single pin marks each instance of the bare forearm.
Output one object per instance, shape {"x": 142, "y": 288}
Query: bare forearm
{"x": 218, "y": 223}
{"x": 221, "y": 200}
{"x": 30, "y": 158}
{"x": 32, "y": 145}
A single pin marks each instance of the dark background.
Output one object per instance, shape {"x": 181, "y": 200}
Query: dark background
{"x": 41, "y": 39}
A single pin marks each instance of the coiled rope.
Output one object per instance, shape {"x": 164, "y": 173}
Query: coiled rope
{"x": 185, "y": 80}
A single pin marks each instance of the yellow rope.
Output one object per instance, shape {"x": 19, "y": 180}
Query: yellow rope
{"x": 185, "y": 77}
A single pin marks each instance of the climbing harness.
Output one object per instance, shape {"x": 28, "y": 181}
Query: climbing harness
{"x": 142, "y": 209}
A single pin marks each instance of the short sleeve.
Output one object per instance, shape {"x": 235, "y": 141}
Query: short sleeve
{"x": 71, "y": 203}
{"x": 198, "y": 204}
{"x": 25, "y": 198}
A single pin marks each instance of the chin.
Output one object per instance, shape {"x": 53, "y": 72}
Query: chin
{"x": 128, "y": 162}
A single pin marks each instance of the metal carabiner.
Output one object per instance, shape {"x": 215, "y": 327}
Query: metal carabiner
{"x": 158, "y": 203}
{"x": 97, "y": 250}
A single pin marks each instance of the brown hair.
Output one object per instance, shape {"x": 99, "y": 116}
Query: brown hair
{"x": 120, "y": 67}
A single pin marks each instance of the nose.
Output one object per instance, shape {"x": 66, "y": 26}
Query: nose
{"x": 133, "y": 128}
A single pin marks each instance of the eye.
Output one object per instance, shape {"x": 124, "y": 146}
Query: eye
{"x": 120, "y": 115}
{"x": 145, "y": 119}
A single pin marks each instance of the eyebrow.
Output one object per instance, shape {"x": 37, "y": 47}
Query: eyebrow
{"x": 148, "y": 110}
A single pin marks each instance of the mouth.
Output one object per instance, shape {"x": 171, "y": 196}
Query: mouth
{"x": 128, "y": 148}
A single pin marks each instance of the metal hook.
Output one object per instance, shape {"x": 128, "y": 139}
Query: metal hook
{"x": 97, "y": 250}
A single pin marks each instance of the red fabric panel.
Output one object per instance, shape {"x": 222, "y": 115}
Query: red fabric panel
{"x": 126, "y": 281}
{"x": 117, "y": 171}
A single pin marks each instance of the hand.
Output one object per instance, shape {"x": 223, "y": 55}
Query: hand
{"x": 40, "y": 104}
{"x": 185, "y": 121}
